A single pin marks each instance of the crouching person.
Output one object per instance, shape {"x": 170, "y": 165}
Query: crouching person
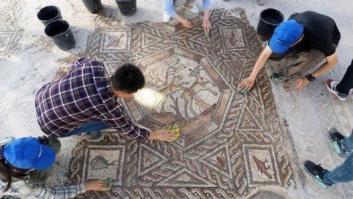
{"x": 25, "y": 164}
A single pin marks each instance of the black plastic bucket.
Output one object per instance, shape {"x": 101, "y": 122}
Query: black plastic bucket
{"x": 48, "y": 14}
{"x": 269, "y": 19}
{"x": 59, "y": 31}
{"x": 93, "y": 5}
{"x": 127, "y": 7}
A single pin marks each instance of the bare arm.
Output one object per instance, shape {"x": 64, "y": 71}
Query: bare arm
{"x": 206, "y": 21}
{"x": 248, "y": 83}
{"x": 184, "y": 22}
{"x": 329, "y": 65}
{"x": 260, "y": 62}
{"x": 206, "y": 15}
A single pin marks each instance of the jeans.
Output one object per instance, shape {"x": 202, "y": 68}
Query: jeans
{"x": 88, "y": 127}
{"x": 346, "y": 84}
{"x": 344, "y": 172}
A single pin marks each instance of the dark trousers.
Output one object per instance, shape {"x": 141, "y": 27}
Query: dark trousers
{"x": 346, "y": 84}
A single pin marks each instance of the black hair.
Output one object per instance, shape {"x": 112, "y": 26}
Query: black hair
{"x": 127, "y": 78}
{"x": 5, "y": 174}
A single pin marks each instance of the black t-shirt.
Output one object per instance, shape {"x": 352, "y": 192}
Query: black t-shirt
{"x": 320, "y": 32}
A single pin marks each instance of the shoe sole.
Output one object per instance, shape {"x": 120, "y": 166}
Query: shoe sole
{"x": 316, "y": 179}
{"x": 334, "y": 93}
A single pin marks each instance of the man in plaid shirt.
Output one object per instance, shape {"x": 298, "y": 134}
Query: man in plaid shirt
{"x": 85, "y": 100}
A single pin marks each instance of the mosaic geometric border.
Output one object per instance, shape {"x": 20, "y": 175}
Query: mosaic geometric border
{"x": 242, "y": 150}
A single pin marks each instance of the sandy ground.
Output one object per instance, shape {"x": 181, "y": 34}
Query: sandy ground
{"x": 28, "y": 59}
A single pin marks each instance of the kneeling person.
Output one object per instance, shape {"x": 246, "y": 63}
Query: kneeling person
{"x": 310, "y": 40}
{"x": 25, "y": 165}
{"x": 84, "y": 100}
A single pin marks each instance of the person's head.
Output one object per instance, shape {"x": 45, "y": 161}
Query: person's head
{"x": 22, "y": 155}
{"x": 126, "y": 81}
{"x": 286, "y": 35}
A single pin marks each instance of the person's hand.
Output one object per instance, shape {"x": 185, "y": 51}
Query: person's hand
{"x": 96, "y": 185}
{"x": 206, "y": 25}
{"x": 186, "y": 24}
{"x": 301, "y": 83}
{"x": 247, "y": 83}
{"x": 163, "y": 135}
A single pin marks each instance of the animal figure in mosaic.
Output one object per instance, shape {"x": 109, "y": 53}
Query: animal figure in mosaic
{"x": 99, "y": 162}
{"x": 261, "y": 166}
{"x": 233, "y": 38}
{"x": 220, "y": 161}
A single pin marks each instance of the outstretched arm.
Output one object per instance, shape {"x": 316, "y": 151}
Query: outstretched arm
{"x": 168, "y": 6}
{"x": 206, "y": 16}
{"x": 63, "y": 192}
{"x": 249, "y": 82}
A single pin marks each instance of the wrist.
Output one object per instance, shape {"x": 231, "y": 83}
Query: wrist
{"x": 252, "y": 78}
{"x": 182, "y": 20}
{"x": 152, "y": 135}
{"x": 81, "y": 188}
{"x": 85, "y": 187}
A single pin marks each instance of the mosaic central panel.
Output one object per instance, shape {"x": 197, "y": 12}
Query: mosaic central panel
{"x": 230, "y": 144}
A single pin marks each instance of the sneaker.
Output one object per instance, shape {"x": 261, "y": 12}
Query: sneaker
{"x": 194, "y": 9}
{"x": 331, "y": 86}
{"x": 336, "y": 140}
{"x": 277, "y": 77}
{"x": 316, "y": 171}
{"x": 166, "y": 17}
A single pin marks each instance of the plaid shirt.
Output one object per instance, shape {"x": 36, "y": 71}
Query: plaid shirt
{"x": 25, "y": 189}
{"x": 83, "y": 94}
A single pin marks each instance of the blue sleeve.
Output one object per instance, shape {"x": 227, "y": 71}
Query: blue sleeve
{"x": 206, "y": 4}
{"x": 168, "y": 6}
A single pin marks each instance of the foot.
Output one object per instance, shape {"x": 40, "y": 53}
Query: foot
{"x": 331, "y": 86}
{"x": 194, "y": 9}
{"x": 336, "y": 139}
{"x": 316, "y": 171}
{"x": 277, "y": 77}
{"x": 166, "y": 17}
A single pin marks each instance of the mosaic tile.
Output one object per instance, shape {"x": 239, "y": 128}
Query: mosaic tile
{"x": 230, "y": 144}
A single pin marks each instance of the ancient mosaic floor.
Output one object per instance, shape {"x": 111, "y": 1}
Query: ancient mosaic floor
{"x": 9, "y": 30}
{"x": 230, "y": 145}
